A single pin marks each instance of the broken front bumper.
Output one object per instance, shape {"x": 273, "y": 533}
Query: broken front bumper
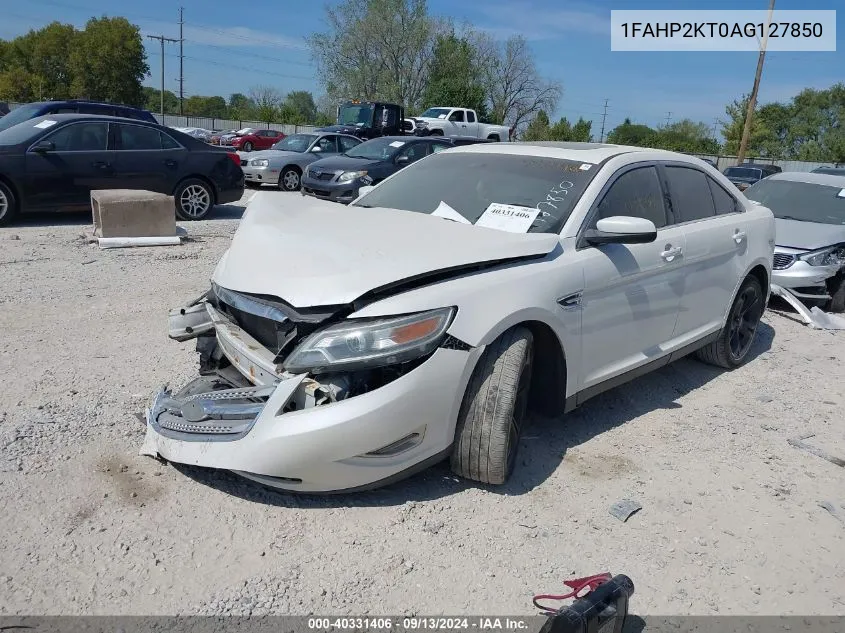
{"x": 806, "y": 281}
{"x": 273, "y": 428}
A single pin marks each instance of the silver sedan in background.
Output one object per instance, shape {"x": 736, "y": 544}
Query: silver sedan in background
{"x": 282, "y": 165}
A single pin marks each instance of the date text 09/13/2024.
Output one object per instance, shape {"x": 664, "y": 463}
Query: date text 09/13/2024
{"x": 419, "y": 623}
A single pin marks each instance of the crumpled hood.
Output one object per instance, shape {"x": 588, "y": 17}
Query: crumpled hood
{"x": 338, "y": 163}
{"x": 310, "y": 252}
{"x": 269, "y": 153}
{"x": 807, "y": 235}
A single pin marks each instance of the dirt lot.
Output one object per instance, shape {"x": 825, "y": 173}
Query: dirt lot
{"x": 731, "y": 521}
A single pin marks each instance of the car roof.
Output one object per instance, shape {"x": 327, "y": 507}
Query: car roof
{"x": 831, "y": 180}
{"x": 587, "y": 152}
{"x": 86, "y": 101}
{"x": 89, "y": 117}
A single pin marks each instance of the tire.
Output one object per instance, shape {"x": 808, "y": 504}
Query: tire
{"x": 730, "y": 350}
{"x": 252, "y": 185}
{"x": 493, "y": 410}
{"x": 494, "y": 137}
{"x": 837, "y": 294}
{"x": 436, "y": 133}
{"x": 194, "y": 199}
{"x": 248, "y": 146}
{"x": 290, "y": 179}
{"x": 8, "y": 204}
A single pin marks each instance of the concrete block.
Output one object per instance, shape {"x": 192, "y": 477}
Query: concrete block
{"x": 132, "y": 213}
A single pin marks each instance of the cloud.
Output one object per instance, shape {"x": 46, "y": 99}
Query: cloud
{"x": 535, "y": 22}
{"x": 229, "y": 36}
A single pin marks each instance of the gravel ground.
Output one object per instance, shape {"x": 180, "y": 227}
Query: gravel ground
{"x": 731, "y": 521}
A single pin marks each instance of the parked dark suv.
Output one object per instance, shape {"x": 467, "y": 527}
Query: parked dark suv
{"x": 44, "y": 108}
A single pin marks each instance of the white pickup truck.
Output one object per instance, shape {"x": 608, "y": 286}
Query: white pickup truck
{"x": 443, "y": 121}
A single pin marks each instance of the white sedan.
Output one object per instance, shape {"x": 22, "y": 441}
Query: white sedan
{"x": 342, "y": 348}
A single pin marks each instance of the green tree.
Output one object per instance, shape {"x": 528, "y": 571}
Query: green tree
{"x": 628, "y": 133}
{"x": 684, "y": 136}
{"x": 300, "y": 106}
{"x": 152, "y": 100}
{"x": 563, "y": 130}
{"x": 109, "y": 62}
{"x": 455, "y": 78}
{"x": 538, "y": 129}
{"x": 267, "y": 102}
{"x": 240, "y": 107}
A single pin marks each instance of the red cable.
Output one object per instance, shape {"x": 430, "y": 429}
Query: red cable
{"x": 576, "y": 584}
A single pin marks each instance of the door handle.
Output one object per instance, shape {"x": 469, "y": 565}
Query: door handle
{"x": 739, "y": 236}
{"x": 170, "y": 163}
{"x": 671, "y": 253}
{"x": 99, "y": 164}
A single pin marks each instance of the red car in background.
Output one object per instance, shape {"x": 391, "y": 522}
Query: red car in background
{"x": 258, "y": 139}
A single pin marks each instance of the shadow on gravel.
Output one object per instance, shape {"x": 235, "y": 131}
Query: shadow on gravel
{"x": 543, "y": 447}
{"x": 84, "y": 218}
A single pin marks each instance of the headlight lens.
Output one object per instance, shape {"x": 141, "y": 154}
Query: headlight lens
{"x": 349, "y": 176}
{"x": 367, "y": 343}
{"x": 830, "y": 256}
{"x": 259, "y": 162}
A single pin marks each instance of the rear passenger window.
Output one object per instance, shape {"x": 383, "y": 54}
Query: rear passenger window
{"x": 635, "y": 193}
{"x": 470, "y": 116}
{"x": 135, "y": 137}
{"x": 167, "y": 142}
{"x": 691, "y": 199}
{"x": 724, "y": 202}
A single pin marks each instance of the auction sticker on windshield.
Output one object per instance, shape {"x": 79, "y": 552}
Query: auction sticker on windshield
{"x": 508, "y": 217}
{"x": 45, "y": 124}
{"x": 841, "y": 193}
{"x": 397, "y": 143}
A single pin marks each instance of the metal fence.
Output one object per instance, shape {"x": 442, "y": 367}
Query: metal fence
{"x": 208, "y": 123}
{"x": 786, "y": 165}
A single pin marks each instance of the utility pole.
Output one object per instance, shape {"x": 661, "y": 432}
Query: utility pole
{"x": 668, "y": 117}
{"x": 752, "y": 100}
{"x": 181, "y": 61}
{"x": 162, "y": 39}
{"x": 603, "y": 118}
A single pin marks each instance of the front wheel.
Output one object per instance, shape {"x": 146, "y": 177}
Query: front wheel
{"x": 194, "y": 199}
{"x": 494, "y": 409}
{"x": 737, "y": 336}
{"x": 248, "y": 146}
{"x": 289, "y": 179}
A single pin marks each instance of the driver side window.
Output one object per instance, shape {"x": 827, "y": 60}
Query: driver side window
{"x": 327, "y": 144}
{"x": 636, "y": 193}
{"x": 81, "y": 137}
{"x": 457, "y": 115}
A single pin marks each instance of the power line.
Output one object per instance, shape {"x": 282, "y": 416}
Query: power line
{"x": 162, "y": 39}
{"x": 246, "y": 68}
{"x": 235, "y": 51}
{"x": 246, "y": 38}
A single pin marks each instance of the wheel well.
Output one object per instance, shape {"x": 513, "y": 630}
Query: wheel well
{"x": 202, "y": 178}
{"x": 494, "y": 137}
{"x": 294, "y": 167}
{"x": 436, "y": 133}
{"x": 15, "y": 193}
{"x": 759, "y": 272}
{"x": 547, "y": 394}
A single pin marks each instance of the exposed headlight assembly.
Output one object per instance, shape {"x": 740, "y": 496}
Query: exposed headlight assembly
{"x": 367, "y": 343}
{"x": 829, "y": 256}
{"x": 259, "y": 162}
{"x": 349, "y": 176}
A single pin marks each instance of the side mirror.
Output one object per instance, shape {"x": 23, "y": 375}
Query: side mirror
{"x": 403, "y": 160}
{"x": 316, "y": 149}
{"x": 365, "y": 190}
{"x": 622, "y": 229}
{"x": 42, "y": 147}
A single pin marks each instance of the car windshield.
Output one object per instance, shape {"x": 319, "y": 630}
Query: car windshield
{"x": 804, "y": 201}
{"x": 24, "y": 131}
{"x": 245, "y": 131}
{"x": 295, "y": 142}
{"x": 833, "y": 171}
{"x": 742, "y": 172}
{"x": 356, "y": 114}
{"x": 376, "y": 149}
{"x": 470, "y": 183}
{"x": 21, "y": 113}
{"x": 435, "y": 113}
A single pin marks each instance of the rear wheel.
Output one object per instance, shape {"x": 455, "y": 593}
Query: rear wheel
{"x": 8, "y": 205}
{"x": 494, "y": 409}
{"x": 290, "y": 179}
{"x": 737, "y": 336}
{"x": 194, "y": 199}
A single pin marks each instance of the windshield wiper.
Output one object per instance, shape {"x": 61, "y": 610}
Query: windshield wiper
{"x": 791, "y": 217}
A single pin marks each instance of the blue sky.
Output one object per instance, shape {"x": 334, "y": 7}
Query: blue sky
{"x": 230, "y": 47}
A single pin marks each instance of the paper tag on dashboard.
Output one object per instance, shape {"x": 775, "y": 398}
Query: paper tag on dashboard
{"x": 508, "y": 217}
{"x": 45, "y": 124}
{"x": 397, "y": 143}
{"x": 443, "y": 210}
{"x": 841, "y": 193}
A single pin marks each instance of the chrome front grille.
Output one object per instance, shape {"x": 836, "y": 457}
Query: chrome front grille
{"x": 783, "y": 260}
